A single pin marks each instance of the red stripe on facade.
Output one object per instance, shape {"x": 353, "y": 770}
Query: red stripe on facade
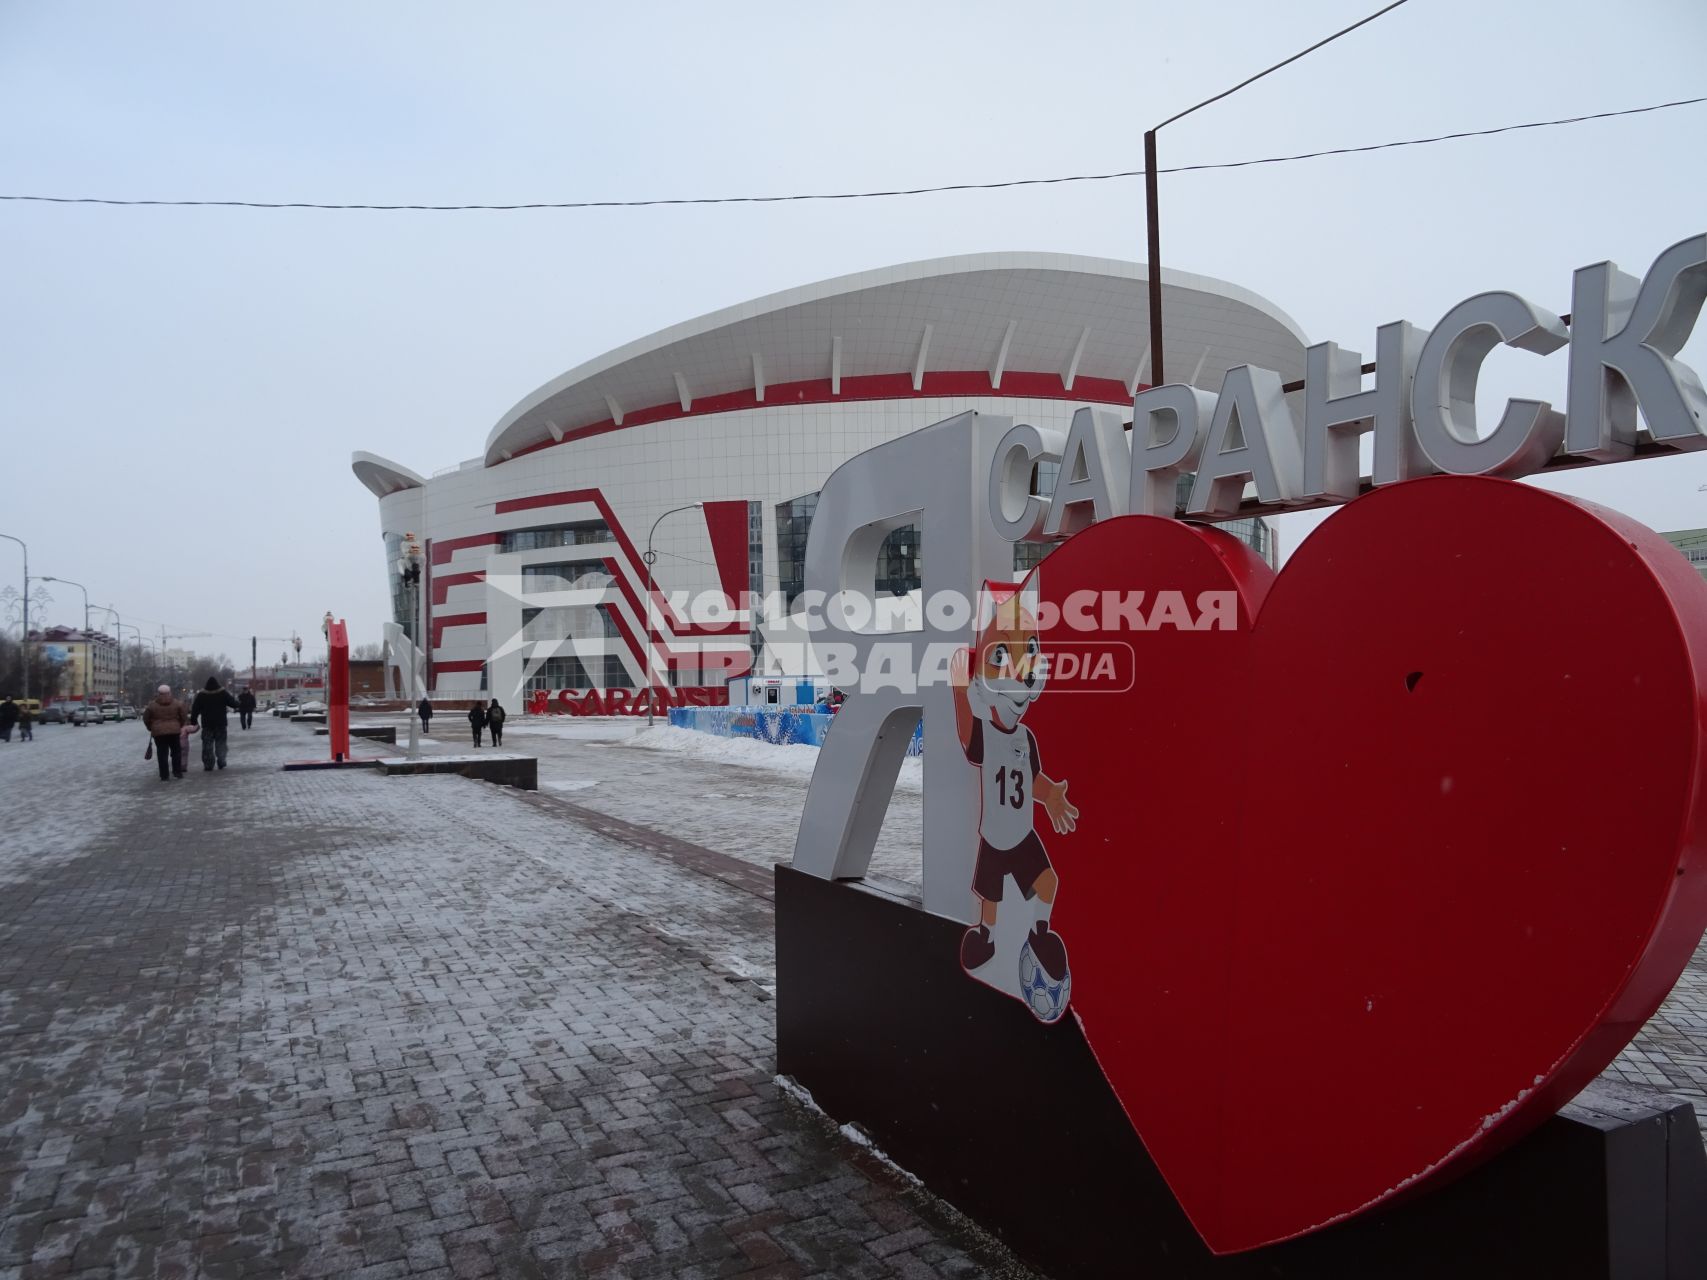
{"x": 442, "y": 586}
{"x": 872, "y": 386}
{"x": 726, "y": 522}
{"x": 460, "y": 664}
{"x": 454, "y": 620}
{"x": 442, "y": 551}
{"x": 677, "y": 627}
{"x": 737, "y": 662}
{"x": 569, "y": 497}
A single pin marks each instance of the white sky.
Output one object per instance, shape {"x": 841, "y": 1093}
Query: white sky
{"x": 181, "y": 388}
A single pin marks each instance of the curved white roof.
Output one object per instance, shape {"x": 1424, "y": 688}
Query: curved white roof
{"x": 1020, "y": 312}
{"x": 382, "y": 476}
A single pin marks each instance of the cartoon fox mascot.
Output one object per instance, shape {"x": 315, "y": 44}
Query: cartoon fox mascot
{"x": 994, "y": 685}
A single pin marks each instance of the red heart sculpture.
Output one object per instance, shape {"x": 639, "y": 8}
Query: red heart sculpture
{"x": 1366, "y": 888}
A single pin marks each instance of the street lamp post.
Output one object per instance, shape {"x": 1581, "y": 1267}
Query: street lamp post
{"x": 651, "y": 559}
{"x": 24, "y": 646}
{"x": 88, "y": 644}
{"x": 119, "y": 625}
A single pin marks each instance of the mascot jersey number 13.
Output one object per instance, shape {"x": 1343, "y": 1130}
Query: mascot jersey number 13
{"x": 994, "y": 685}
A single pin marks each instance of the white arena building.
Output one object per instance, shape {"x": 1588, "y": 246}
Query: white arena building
{"x": 535, "y": 549}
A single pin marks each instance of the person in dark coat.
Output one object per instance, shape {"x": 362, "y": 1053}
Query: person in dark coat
{"x": 495, "y": 717}
{"x": 246, "y": 708}
{"x": 8, "y": 718}
{"x": 26, "y": 719}
{"x": 477, "y": 720}
{"x": 424, "y": 709}
{"x": 165, "y": 718}
{"x": 208, "y": 710}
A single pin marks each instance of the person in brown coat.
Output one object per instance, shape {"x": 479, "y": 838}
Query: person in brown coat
{"x": 165, "y": 717}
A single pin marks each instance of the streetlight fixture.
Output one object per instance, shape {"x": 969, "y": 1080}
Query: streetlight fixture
{"x": 651, "y": 559}
{"x": 68, "y": 582}
{"x": 119, "y": 625}
{"x": 24, "y": 645}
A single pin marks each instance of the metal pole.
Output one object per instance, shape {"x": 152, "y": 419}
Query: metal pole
{"x": 651, "y": 558}
{"x": 1152, "y": 218}
{"x": 650, "y": 643}
{"x": 24, "y": 640}
{"x": 1154, "y": 267}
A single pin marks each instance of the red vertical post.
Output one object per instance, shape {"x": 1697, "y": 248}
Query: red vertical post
{"x": 338, "y": 691}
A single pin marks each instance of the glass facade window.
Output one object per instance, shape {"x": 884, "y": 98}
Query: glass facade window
{"x": 555, "y": 535}
{"x": 793, "y": 523}
{"x": 561, "y": 671}
{"x": 616, "y": 675}
{"x": 565, "y": 575}
{"x": 1028, "y": 555}
{"x": 575, "y": 622}
{"x": 405, "y": 597}
{"x": 900, "y": 561}
{"x": 1254, "y": 532}
{"x": 756, "y": 572}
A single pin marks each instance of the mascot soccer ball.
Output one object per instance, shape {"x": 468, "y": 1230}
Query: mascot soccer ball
{"x": 1044, "y": 996}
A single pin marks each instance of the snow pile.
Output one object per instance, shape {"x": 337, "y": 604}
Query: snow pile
{"x": 785, "y": 757}
{"x": 584, "y": 729}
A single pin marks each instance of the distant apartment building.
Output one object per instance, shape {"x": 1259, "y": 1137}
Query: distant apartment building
{"x": 92, "y": 662}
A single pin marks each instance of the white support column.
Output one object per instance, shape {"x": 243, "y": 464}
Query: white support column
{"x": 683, "y": 394}
{"x": 1001, "y": 364}
{"x": 919, "y": 364}
{"x": 1073, "y": 364}
{"x": 758, "y": 378}
{"x": 615, "y": 410}
{"x": 556, "y": 431}
{"x": 836, "y": 365}
{"x": 1197, "y": 372}
{"x": 1138, "y": 374}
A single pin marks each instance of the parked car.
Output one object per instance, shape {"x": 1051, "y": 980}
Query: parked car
{"x": 129, "y": 713}
{"x": 86, "y": 713}
{"x": 110, "y": 711}
{"x": 53, "y": 713}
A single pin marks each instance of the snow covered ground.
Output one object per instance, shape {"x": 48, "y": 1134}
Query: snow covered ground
{"x": 737, "y": 796}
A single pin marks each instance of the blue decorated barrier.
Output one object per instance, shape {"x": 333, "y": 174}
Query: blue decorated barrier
{"x": 802, "y": 726}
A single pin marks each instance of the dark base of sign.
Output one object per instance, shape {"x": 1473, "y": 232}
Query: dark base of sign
{"x": 876, "y": 1021}
{"x": 295, "y": 766}
{"x": 508, "y": 771}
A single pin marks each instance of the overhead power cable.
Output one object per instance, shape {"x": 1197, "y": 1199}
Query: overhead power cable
{"x": 852, "y": 195}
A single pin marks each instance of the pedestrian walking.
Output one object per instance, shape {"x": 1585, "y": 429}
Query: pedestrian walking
{"x": 477, "y": 720}
{"x": 424, "y": 709}
{"x": 495, "y": 717}
{"x": 246, "y": 707}
{"x": 26, "y": 719}
{"x": 8, "y": 718}
{"x": 208, "y": 711}
{"x": 166, "y": 718}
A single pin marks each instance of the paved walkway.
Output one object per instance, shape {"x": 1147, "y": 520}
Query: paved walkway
{"x": 262, "y": 1023}
{"x": 329, "y": 1025}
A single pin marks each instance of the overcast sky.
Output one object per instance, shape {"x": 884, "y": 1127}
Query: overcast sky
{"x": 181, "y": 388}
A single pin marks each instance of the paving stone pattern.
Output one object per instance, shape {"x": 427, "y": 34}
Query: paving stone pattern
{"x": 258, "y": 1023}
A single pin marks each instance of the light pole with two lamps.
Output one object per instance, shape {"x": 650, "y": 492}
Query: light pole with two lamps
{"x": 651, "y": 647}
